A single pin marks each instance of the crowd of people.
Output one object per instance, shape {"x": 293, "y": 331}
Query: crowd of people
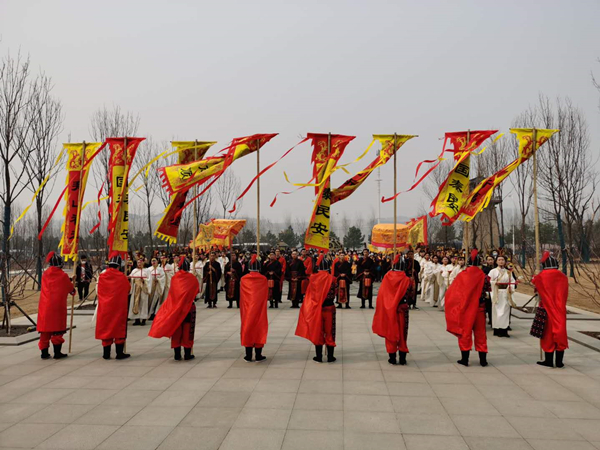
{"x": 165, "y": 288}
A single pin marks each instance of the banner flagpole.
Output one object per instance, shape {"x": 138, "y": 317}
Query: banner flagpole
{"x": 258, "y": 198}
{"x": 195, "y": 227}
{"x": 468, "y": 188}
{"x": 536, "y": 213}
{"x": 395, "y": 200}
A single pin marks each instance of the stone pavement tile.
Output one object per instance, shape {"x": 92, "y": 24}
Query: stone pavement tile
{"x": 108, "y": 414}
{"x": 544, "y": 444}
{"x": 466, "y": 392}
{"x": 212, "y": 417}
{"x": 417, "y": 405}
{"x": 324, "y": 402}
{"x": 168, "y": 416}
{"x": 434, "y": 366}
{"x": 130, "y": 371}
{"x": 314, "y": 440}
{"x": 515, "y": 407}
{"x": 362, "y": 375}
{"x": 146, "y": 383}
{"x": 318, "y": 373}
{"x": 28, "y": 435}
{"x": 320, "y": 387}
{"x": 491, "y": 443}
{"x": 176, "y": 370}
{"x": 502, "y": 392}
{"x": 178, "y": 398}
{"x": 245, "y": 373}
{"x": 92, "y": 371}
{"x": 87, "y": 397}
{"x": 489, "y": 379}
{"x": 79, "y": 437}
{"x": 235, "y": 385}
{"x": 43, "y": 396}
{"x": 371, "y": 422}
{"x": 425, "y": 442}
{"x": 446, "y": 378}
{"x": 474, "y": 406}
{"x": 245, "y": 439}
{"x": 189, "y": 438}
{"x": 277, "y": 385}
{"x": 59, "y": 414}
{"x": 110, "y": 382}
{"x": 192, "y": 384}
{"x": 69, "y": 382}
{"x": 224, "y": 399}
{"x": 132, "y": 397}
{"x": 485, "y": 426}
{"x": 589, "y": 429}
{"x": 316, "y": 420}
{"x": 274, "y": 373}
{"x": 403, "y": 376}
{"x": 573, "y": 410}
{"x": 411, "y": 389}
{"x": 15, "y": 412}
{"x": 552, "y": 393}
{"x": 368, "y": 403}
{"x": 544, "y": 428}
{"x": 434, "y": 424}
{"x": 365, "y": 387}
{"x": 203, "y": 372}
{"x": 271, "y": 400}
{"x": 136, "y": 438}
{"x": 261, "y": 418}
{"x": 379, "y": 441}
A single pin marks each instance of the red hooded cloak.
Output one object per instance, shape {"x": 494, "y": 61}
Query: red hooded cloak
{"x": 553, "y": 288}
{"x": 391, "y": 292}
{"x": 462, "y": 301}
{"x": 113, "y": 291}
{"x": 254, "y": 294}
{"x": 52, "y": 310}
{"x": 310, "y": 320}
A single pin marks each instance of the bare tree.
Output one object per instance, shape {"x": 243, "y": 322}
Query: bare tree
{"x": 227, "y": 188}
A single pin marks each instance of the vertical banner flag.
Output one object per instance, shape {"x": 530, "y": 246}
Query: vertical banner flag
{"x": 480, "y": 197}
{"x": 454, "y": 189}
{"x": 387, "y": 151}
{"x": 122, "y": 153}
{"x": 77, "y": 175}
{"x": 324, "y": 159}
{"x": 187, "y": 152}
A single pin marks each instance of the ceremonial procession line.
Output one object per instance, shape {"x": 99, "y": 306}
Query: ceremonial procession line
{"x": 218, "y": 401}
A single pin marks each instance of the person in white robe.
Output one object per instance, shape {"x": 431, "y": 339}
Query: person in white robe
{"x": 169, "y": 272}
{"x": 444, "y": 279}
{"x": 502, "y": 282}
{"x": 140, "y": 290}
{"x": 158, "y": 280}
{"x": 460, "y": 266}
{"x": 222, "y": 260}
{"x": 198, "y": 271}
{"x": 428, "y": 274}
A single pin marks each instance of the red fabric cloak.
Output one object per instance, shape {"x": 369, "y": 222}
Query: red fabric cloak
{"x": 52, "y": 310}
{"x": 553, "y": 288}
{"x": 113, "y": 291}
{"x": 310, "y": 320}
{"x": 391, "y": 292}
{"x": 177, "y": 305}
{"x": 254, "y": 294}
{"x": 462, "y": 301}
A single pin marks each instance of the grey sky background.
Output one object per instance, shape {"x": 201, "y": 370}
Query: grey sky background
{"x": 218, "y": 70}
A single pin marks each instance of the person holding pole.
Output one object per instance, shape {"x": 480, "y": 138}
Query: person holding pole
{"x": 233, "y": 275}
{"x": 52, "y": 310}
{"x": 211, "y": 276}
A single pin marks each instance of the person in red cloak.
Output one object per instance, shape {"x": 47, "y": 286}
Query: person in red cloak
{"x": 52, "y": 310}
{"x": 316, "y": 321}
{"x": 254, "y": 294}
{"x": 308, "y": 269}
{"x": 391, "y": 312}
{"x": 465, "y": 310}
{"x": 113, "y": 298}
{"x": 176, "y": 318}
{"x": 552, "y": 287}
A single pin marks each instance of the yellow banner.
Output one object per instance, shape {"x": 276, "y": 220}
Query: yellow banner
{"x": 411, "y": 234}
{"x": 454, "y": 193}
{"x": 218, "y": 233}
{"x": 317, "y": 234}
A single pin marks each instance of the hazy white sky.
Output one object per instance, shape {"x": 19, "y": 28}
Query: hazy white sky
{"x": 220, "y": 69}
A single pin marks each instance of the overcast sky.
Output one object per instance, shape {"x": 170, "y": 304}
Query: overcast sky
{"x": 216, "y": 70}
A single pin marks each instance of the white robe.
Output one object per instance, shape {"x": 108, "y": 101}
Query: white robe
{"x": 428, "y": 273}
{"x": 143, "y": 306}
{"x": 159, "y": 275}
{"x": 444, "y": 281}
{"x": 222, "y": 260}
{"x": 457, "y": 269}
{"x": 500, "y": 302}
{"x": 169, "y": 272}
{"x": 198, "y": 271}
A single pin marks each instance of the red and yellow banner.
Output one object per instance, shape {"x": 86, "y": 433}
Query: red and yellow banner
{"x": 187, "y": 152}
{"x": 327, "y": 150}
{"x": 412, "y": 233}
{"x": 387, "y": 151}
{"x": 218, "y": 233}
{"x": 122, "y": 153}
{"x": 480, "y": 197}
{"x": 454, "y": 190}
{"x": 78, "y": 168}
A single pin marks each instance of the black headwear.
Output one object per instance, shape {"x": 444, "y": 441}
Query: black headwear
{"x": 548, "y": 261}
{"x": 115, "y": 262}
{"x": 54, "y": 259}
{"x": 184, "y": 265}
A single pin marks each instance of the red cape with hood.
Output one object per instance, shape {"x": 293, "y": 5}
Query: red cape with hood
{"x": 177, "y": 305}
{"x": 462, "y": 301}
{"x": 254, "y": 295}
{"x": 113, "y": 291}
{"x": 553, "y": 288}
{"x": 310, "y": 320}
{"x": 52, "y": 310}
{"x": 391, "y": 292}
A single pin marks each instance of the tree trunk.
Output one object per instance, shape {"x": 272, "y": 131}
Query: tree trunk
{"x": 40, "y": 245}
{"x": 5, "y": 263}
{"x": 149, "y": 224}
{"x": 501, "y": 226}
{"x": 523, "y": 242}
{"x": 561, "y": 240}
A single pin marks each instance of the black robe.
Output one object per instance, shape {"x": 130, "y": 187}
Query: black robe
{"x": 232, "y": 284}
{"x": 272, "y": 270}
{"x": 365, "y": 268}
{"x": 294, "y": 274}
{"x": 211, "y": 280}
{"x": 343, "y": 271}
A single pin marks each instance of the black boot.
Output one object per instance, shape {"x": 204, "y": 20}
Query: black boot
{"x": 348, "y": 305}
{"x": 339, "y": 306}
{"x": 402, "y": 361}
{"x": 187, "y": 354}
{"x": 45, "y": 353}
{"x": 548, "y": 362}
{"x": 277, "y": 304}
{"x": 136, "y": 322}
{"x": 177, "y": 353}
{"x": 143, "y": 322}
{"x": 237, "y": 303}
{"x": 465, "y": 357}
{"x": 248, "y": 357}
{"x": 319, "y": 354}
{"x": 370, "y": 304}
{"x": 483, "y": 359}
{"x": 392, "y": 359}
{"x": 121, "y": 352}
{"x": 559, "y": 359}
{"x": 496, "y": 332}
{"x": 362, "y": 303}
{"x": 271, "y": 305}
{"x": 106, "y": 352}
{"x": 230, "y": 304}
{"x": 259, "y": 356}
{"x": 330, "y": 357}
{"x": 57, "y": 353}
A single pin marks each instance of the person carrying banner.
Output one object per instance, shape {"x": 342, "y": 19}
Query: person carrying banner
{"x": 211, "y": 277}
{"x": 254, "y": 292}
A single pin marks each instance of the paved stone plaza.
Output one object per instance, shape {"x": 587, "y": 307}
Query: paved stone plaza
{"x": 218, "y": 401}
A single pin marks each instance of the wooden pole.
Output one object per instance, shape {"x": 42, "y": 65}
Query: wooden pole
{"x": 395, "y": 202}
{"x": 468, "y": 188}
{"x": 257, "y": 198}
{"x": 195, "y": 227}
{"x": 328, "y": 182}
{"x": 82, "y": 161}
{"x": 535, "y": 204}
